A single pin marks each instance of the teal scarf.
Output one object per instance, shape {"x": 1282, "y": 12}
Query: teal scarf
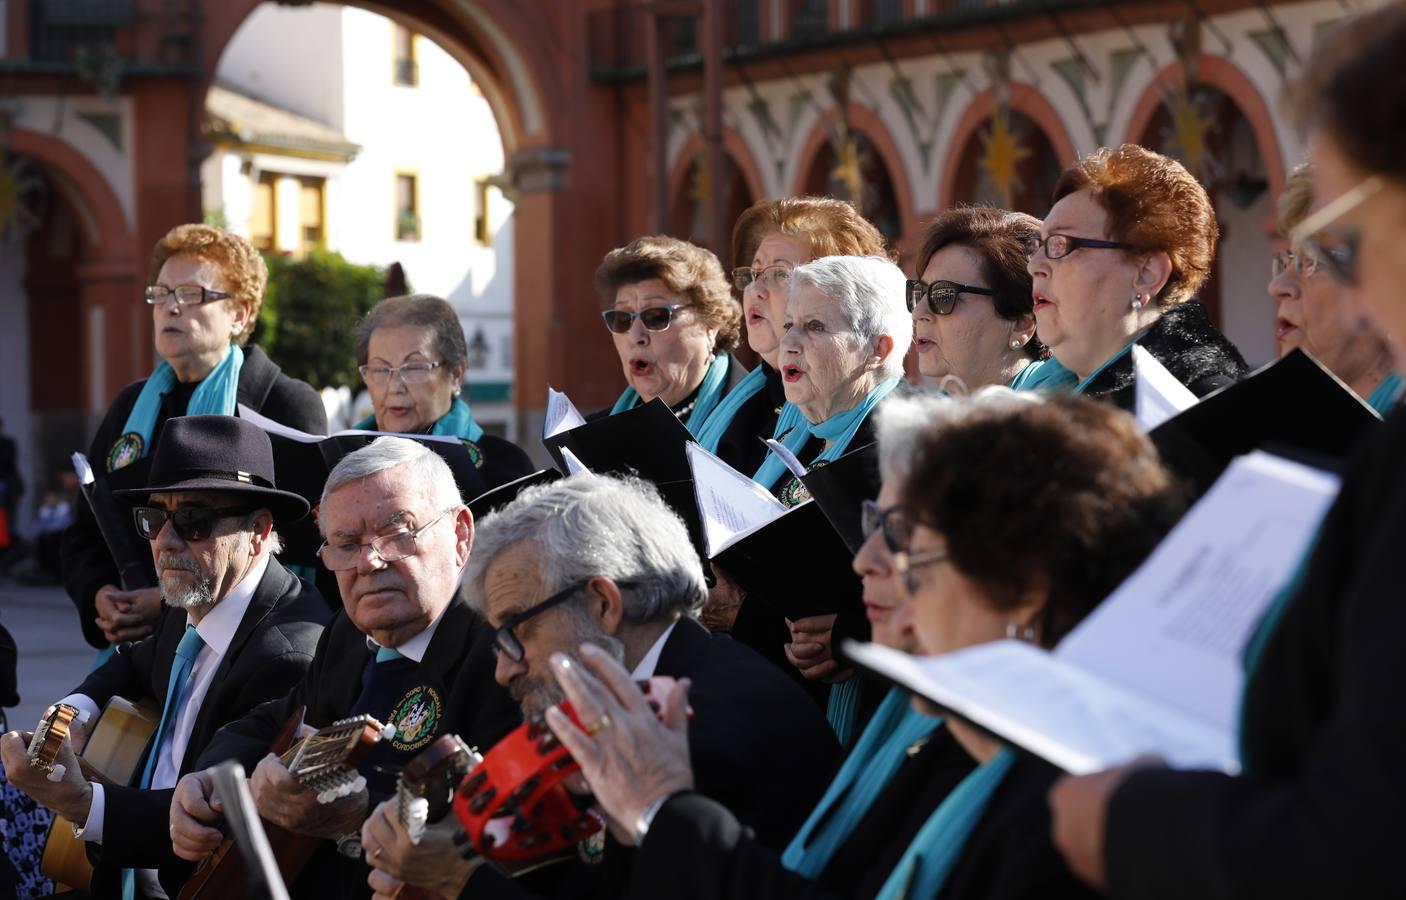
{"x": 839, "y": 430}
{"x": 934, "y": 853}
{"x": 711, "y": 432}
{"x": 216, "y": 395}
{"x": 1044, "y": 375}
{"x": 458, "y": 422}
{"x": 881, "y": 749}
{"x": 1084, "y": 385}
{"x": 842, "y": 708}
{"x": 1386, "y": 394}
{"x": 710, "y": 393}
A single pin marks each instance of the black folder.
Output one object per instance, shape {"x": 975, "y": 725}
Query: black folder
{"x": 130, "y": 552}
{"x": 841, "y": 487}
{"x": 1294, "y": 407}
{"x": 499, "y": 497}
{"x": 797, "y": 561}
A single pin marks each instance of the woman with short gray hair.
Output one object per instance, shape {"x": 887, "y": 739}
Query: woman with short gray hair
{"x": 412, "y": 356}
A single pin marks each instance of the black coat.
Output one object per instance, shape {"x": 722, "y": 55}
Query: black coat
{"x": 1324, "y": 732}
{"x": 741, "y": 446}
{"x": 696, "y": 850}
{"x": 270, "y": 652}
{"x": 758, "y": 747}
{"x": 476, "y": 709}
{"x": 503, "y": 461}
{"x": 87, "y": 563}
{"x": 1185, "y": 341}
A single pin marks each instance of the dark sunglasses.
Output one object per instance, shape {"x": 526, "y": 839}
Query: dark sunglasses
{"x": 192, "y": 523}
{"x": 897, "y": 530}
{"x": 505, "y": 640}
{"x": 656, "y": 318}
{"x": 940, "y": 295}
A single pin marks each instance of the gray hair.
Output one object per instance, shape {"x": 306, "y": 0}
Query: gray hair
{"x": 421, "y": 310}
{"x": 385, "y": 453}
{"x": 588, "y": 526}
{"x": 903, "y": 421}
{"x": 871, "y": 290}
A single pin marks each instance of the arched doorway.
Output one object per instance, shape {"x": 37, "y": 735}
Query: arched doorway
{"x": 1211, "y": 135}
{"x": 1008, "y": 161}
{"x": 851, "y": 168}
{"x": 688, "y": 213}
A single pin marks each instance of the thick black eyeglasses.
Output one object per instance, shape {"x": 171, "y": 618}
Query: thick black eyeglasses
{"x": 656, "y": 318}
{"x": 1058, "y": 246}
{"x": 192, "y": 523}
{"x": 505, "y": 639}
{"x": 897, "y": 529}
{"x": 186, "y": 294}
{"x": 940, "y": 295}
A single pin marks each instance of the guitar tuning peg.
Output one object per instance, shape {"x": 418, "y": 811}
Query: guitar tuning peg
{"x": 387, "y": 732}
{"x": 83, "y": 716}
{"x": 357, "y": 785}
{"x": 56, "y": 773}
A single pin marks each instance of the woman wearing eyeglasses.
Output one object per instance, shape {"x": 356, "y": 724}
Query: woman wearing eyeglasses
{"x": 1014, "y": 515}
{"x": 1316, "y": 810}
{"x": 776, "y": 236}
{"x": 1128, "y": 243}
{"x": 971, "y": 305}
{"x": 674, "y": 325}
{"x": 206, "y": 287}
{"x": 1314, "y": 312}
{"x": 412, "y": 356}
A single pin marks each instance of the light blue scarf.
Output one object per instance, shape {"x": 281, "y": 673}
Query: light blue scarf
{"x": 711, "y": 432}
{"x": 458, "y": 422}
{"x": 1386, "y": 394}
{"x": 842, "y": 708}
{"x": 939, "y": 844}
{"x": 839, "y": 430}
{"x": 881, "y": 749}
{"x": 710, "y": 393}
{"x": 1045, "y": 375}
{"x": 217, "y": 394}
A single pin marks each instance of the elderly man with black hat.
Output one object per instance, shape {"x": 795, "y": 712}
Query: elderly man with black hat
{"x": 238, "y": 629}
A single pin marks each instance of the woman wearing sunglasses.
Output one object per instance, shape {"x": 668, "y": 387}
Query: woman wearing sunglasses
{"x": 206, "y": 288}
{"x": 1316, "y": 811}
{"x": 971, "y": 303}
{"x": 1128, "y": 243}
{"x": 412, "y": 356}
{"x": 993, "y": 541}
{"x": 1315, "y": 312}
{"x": 776, "y": 236}
{"x": 674, "y": 325}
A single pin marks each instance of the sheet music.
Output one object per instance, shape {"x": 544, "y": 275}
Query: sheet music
{"x": 785, "y": 455}
{"x": 574, "y": 466}
{"x": 562, "y": 414}
{"x": 1158, "y": 394}
{"x": 304, "y": 437}
{"x": 729, "y": 503}
{"x": 248, "y": 829}
{"x": 83, "y": 468}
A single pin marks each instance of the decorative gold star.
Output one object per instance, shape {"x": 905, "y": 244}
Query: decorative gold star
{"x": 17, "y": 182}
{"x": 702, "y": 184}
{"x": 1189, "y": 129}
{"x": 1002, "y": 154}
{"x": 848, "y": 170}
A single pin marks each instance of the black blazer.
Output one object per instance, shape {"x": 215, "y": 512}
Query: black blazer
{"x": 695, "y": 850}
{"x": 741, "y": 445}
{"x": 759, "y": 747}
{"x": 1324, "y": 732}
{"x": 87, "y": 563}
{"x": 1185, "y": 341}
{"x": 270, "y": 651}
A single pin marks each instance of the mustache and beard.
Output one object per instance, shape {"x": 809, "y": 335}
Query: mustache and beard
{"x": 198, "y": 593}
{"x": 537, "y": 691}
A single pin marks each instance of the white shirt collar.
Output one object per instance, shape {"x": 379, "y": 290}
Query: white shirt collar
{"x": 218, "y": 626}
{"x": 650, "y": 661}
{"x": 415, "y": 647}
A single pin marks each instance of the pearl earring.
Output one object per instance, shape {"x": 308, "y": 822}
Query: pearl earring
{"x": 1016, "y": 344}
{"x": 1016, "y": 632}
{"x": 1137, "y": 301}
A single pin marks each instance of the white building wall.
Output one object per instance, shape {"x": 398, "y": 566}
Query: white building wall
{"x": 291, "y": 58}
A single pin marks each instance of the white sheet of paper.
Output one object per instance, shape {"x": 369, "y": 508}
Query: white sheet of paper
{"x": 781, "y": 450}
{"x": 83, "y": 468}
{"x": 304, "y": 437}
{"x": 1158, "y": 394}
{"x": 574, "y": 466}
{"x": 562, "y": 414}
{"x": 729, "y": 503}
{"x": 1157, "y": 667}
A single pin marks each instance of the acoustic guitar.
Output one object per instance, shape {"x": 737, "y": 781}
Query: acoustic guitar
{"x": 424, "y": 792}
{"x": 110, "y": 755}
{"x": 325, "y": 762}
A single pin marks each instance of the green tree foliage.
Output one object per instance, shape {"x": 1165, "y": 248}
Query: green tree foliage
{"x": 308, "y": 321}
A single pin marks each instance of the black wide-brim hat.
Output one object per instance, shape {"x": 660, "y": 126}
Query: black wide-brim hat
{"x": 217, "y": 453}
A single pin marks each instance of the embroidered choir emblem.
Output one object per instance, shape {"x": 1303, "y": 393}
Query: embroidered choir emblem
{"x": 794, "y": 493}
{"x": 416, "y": 718}
{"x": 592, "y": 849}
{"x": 475, "y": 453}
{"x": 126, "y": 451}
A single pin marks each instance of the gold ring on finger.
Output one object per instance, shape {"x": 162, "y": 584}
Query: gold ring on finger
{"x": 598, "y": 725}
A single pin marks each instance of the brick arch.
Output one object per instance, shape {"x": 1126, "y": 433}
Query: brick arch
{"x": 1224, "y": 75}
{"x": 864, "y": 121}
{"x": 737, "y": 151}
{"x": 110, "y": 236}
{"x": 1025, "y": 100}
